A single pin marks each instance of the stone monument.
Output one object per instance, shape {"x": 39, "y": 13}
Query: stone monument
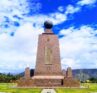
{"x": 48, "y": 72}
{"x": 48, "y": 67}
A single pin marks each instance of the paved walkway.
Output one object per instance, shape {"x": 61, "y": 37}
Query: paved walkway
{"x": 48, "y": 91}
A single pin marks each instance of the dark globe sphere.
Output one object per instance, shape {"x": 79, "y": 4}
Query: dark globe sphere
{"x": 48, "y": 24}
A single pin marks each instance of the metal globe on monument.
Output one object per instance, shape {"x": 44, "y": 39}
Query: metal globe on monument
{"x": 48, "y": 24}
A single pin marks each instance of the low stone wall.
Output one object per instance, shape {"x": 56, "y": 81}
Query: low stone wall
{"x": 70, "y": 82}
{"x": 25, "y": 83}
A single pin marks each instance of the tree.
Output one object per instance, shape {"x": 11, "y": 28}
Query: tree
{"x": 6, "y": 78}
{"x": 93, "y": 80}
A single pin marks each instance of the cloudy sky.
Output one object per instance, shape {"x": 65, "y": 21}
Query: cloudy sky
{"x": 21, "y": 21}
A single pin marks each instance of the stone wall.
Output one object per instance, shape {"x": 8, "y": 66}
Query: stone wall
{"x": 70, "y": 82}
{"x": 25, "y": 82}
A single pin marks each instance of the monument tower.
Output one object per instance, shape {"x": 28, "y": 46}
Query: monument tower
{"x": 48, "y": 67}
{"x": 48, "y": 71}
{"x": 48, "y": 53}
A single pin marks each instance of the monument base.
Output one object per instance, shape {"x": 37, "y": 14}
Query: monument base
{"x": 48, "y": 81}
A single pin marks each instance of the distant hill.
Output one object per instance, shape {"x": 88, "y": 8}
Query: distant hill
{"x": 84, "y": 74}
{"x": 89, "y": 72}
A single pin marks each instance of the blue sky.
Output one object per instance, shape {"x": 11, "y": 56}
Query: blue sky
{"x": 21, "y": 21}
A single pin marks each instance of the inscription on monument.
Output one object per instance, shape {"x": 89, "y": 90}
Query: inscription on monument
{"x": 48, "y": 56}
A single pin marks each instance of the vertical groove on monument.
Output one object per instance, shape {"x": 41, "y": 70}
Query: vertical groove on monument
{"x": 48, "y": 54}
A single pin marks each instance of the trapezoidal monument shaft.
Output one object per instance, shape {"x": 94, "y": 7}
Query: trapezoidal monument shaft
{"x": 48, "y": 54}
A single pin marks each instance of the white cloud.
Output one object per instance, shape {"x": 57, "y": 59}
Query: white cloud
{"x": 20, "y": 50}
{"x": 13, "y": 7}
{"x": 79, "y": 47}
{"x": 61, "y": 8}
{"x": 18, "y": 8}
{"x": 56, "y": 18}
{"x": 86, "y": 2}
{"x": 71, "y": 9}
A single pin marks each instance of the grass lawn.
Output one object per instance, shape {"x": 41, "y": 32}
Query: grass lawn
{"x": 6, "y": 87}
{"x": 92, "y": 89}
